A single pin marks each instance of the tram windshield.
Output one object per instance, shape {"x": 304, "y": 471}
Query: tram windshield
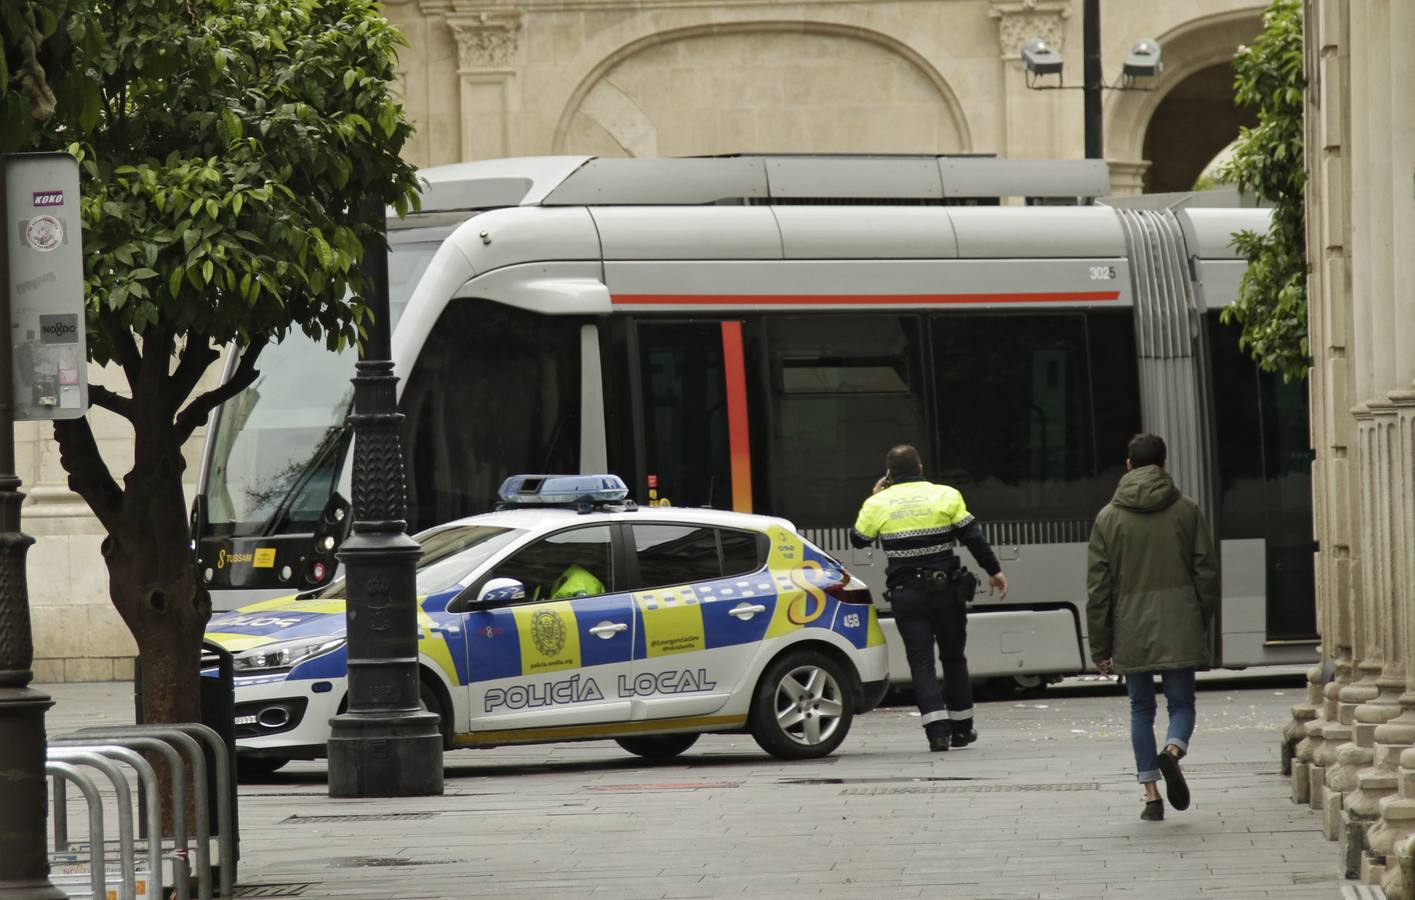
{"x": 279, "y": 444}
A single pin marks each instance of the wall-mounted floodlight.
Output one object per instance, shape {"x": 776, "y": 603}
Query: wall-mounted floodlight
{"x": 1040, "y": 58}
{"x": 1143, "y": 60}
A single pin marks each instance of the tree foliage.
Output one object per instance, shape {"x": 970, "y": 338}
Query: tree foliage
{"x": 1268, "y": 160}
{"x": 236, "y": 158}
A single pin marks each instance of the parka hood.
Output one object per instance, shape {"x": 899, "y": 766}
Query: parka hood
{"x": 1146, "y": 489}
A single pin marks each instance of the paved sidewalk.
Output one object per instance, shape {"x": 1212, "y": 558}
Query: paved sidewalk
{"x": 1042, "y": 807}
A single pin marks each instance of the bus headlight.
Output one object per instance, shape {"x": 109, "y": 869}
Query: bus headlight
{"x": 282, "y": 656}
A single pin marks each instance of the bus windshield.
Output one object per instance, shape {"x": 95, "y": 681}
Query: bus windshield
{"x": 278, "y": 446}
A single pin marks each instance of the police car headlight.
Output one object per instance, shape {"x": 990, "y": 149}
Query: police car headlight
{"x": 277, "y": 657}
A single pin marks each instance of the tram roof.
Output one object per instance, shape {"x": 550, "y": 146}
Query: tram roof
{"x": 763, "y": 178}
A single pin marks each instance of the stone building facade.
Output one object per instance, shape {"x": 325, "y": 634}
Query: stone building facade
{"x": 489, "y": 78}
{"x": 1355, "y": 735}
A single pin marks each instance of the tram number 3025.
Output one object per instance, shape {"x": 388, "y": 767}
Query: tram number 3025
{"x": 1102, "y": 273}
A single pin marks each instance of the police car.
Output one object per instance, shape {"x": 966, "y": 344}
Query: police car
{"x": 571, "y": 614}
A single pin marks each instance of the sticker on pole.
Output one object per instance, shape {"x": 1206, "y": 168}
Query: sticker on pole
{"x": 44, "y": 233}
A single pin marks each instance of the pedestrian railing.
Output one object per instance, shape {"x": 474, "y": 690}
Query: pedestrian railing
{"x": 184, "y": 748}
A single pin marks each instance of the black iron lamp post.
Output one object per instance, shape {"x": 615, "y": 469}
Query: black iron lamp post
{"x": 24, "y": 859}
{"x": 385, "y": 744}
{"x": 1141, "y": 64}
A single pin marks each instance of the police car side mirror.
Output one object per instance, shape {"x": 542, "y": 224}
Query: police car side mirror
{"x": 499, "y": 590}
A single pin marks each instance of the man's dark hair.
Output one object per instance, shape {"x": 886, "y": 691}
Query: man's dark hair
{"x": 1146, "y": 450}
{"x": 903, "y": 461}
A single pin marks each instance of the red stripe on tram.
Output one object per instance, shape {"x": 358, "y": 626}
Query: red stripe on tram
{"x": 739, "y": 442}
{"x": 859, "y": 299}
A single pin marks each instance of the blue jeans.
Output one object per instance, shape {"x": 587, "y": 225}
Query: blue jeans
{"x": 1178, "y": 697}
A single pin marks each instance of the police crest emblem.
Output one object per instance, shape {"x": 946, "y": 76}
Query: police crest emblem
{"x": 548, "y": 633}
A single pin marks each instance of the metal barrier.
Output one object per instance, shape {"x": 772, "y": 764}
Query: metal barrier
{"x": 98, "y": 876}
{"x": 151, "y": 792}
{"x": 127, "y": 888}
{"x": 174, "y": 742}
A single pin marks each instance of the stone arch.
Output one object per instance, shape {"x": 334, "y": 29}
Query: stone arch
{"x": 1196, "y": 85}
{"x": 616, "y": 110}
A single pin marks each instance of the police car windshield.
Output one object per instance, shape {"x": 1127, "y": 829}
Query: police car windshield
{"x": 448, "y": 555}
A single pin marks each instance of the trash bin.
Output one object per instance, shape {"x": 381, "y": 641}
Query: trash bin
{"x": 217, "y": 696}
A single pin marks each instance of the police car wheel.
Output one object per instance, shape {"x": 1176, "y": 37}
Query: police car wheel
{"x": 427, "y": 697}
{"x": 802, "y": 709}
{"x": 658, "y": 746}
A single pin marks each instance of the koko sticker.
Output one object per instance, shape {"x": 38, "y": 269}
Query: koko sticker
{"x": 48, "y": 198}
{"x": 44, "y": 233}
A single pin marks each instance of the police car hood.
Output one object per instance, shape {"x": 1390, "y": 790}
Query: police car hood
{"x": 283, "y": 619}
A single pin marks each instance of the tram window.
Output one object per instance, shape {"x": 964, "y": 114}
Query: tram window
{"x": 1115, "y": 399}
{"x": 1239, "y": 429}
{"x": 1014, "y": 412}
{"x": 495, "y": 390}
{"x": 685, "y": 413}
{"x": 843, "y": 390}
{"x": 675, "y": 554}
{"x": 742, "y": 552}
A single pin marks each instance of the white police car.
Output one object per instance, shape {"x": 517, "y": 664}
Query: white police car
{"x": 566, "y": 615}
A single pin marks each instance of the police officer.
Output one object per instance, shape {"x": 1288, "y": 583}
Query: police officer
{"x": 917, "y": 523}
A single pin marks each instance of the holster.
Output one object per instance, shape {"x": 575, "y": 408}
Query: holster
{"x": 960, "y": 584}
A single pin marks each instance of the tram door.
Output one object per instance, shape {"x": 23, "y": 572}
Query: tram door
{"x": 1265, "y": 486}
{"x": 692, "y": 415}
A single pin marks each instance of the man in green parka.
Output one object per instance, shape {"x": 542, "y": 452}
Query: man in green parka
{"x": 1153, "y": 585}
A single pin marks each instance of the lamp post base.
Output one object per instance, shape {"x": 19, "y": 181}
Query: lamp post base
{"x": 378, "y": 755}
{"x": 24, "y": 859}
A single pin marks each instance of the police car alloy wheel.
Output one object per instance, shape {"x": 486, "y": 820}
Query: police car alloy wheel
{"x": 802, "y": 710}
{"x": 658, "y": 746}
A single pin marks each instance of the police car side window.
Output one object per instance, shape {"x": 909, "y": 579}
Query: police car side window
{"x": 564, "y": 565}
{"x": 675, "y": 554}
{"x": 741, "y": 552}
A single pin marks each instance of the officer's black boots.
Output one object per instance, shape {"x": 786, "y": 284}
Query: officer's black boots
{"x": 939, "y": 742}
{"x": 964, "y": 734}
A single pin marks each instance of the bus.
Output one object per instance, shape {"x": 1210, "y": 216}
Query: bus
{"x": 754, "y": 332}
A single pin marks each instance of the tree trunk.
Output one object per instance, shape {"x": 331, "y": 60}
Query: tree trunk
{"x": 153, "y": 586}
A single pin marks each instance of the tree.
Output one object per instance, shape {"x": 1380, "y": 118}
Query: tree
{"x": 236, "y": 157}
{"x": 1268, "y": 160}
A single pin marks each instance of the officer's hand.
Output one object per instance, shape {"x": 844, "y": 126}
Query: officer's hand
{"x": 998, "y": 582}
{"x": 881, "y": 484}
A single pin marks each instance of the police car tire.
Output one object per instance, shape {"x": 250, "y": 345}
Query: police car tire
{"x": 765, "y": 723}
{"x": 658, "y": 746}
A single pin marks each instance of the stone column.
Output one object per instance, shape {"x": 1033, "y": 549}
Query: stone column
{"x": 1333, "y": 427}
{"x": 1029, "y": 118}
{"x": 1323, "y": 75}
{"x": 1127, "y": 176}
{"x": 486, "y": 47}
{"x": 1395, "y": 758}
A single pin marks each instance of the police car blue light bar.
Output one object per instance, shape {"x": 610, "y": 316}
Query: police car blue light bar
{"x": 562, "y": 490}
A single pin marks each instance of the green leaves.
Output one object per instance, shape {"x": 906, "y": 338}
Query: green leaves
{"x": 221, "y": 145}
{"x": 1268, "y": 160}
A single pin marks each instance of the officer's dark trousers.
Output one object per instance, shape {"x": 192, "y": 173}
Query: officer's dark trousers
{"x": 926, "y": 620}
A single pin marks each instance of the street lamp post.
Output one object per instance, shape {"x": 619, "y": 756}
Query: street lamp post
{"x": 1041, "y": 60}
{"x": 385, "y": 744}
{"x": 24, "y": 857}
{"x": 1093, "y": 81}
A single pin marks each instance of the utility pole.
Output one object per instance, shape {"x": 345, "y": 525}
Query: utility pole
{"x": 1093, "y": 82}
{"x": 385, "y": 745}
{"x": 24, "y": 852}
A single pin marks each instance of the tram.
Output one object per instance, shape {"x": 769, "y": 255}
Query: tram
{"x": 754, "y": 332}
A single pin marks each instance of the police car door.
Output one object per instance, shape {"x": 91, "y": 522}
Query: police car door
{"x": 698, "y": 631}
{"x": 557, "y": 656}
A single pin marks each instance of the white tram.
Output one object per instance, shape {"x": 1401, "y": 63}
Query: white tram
{"x": 753, "y": 333}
